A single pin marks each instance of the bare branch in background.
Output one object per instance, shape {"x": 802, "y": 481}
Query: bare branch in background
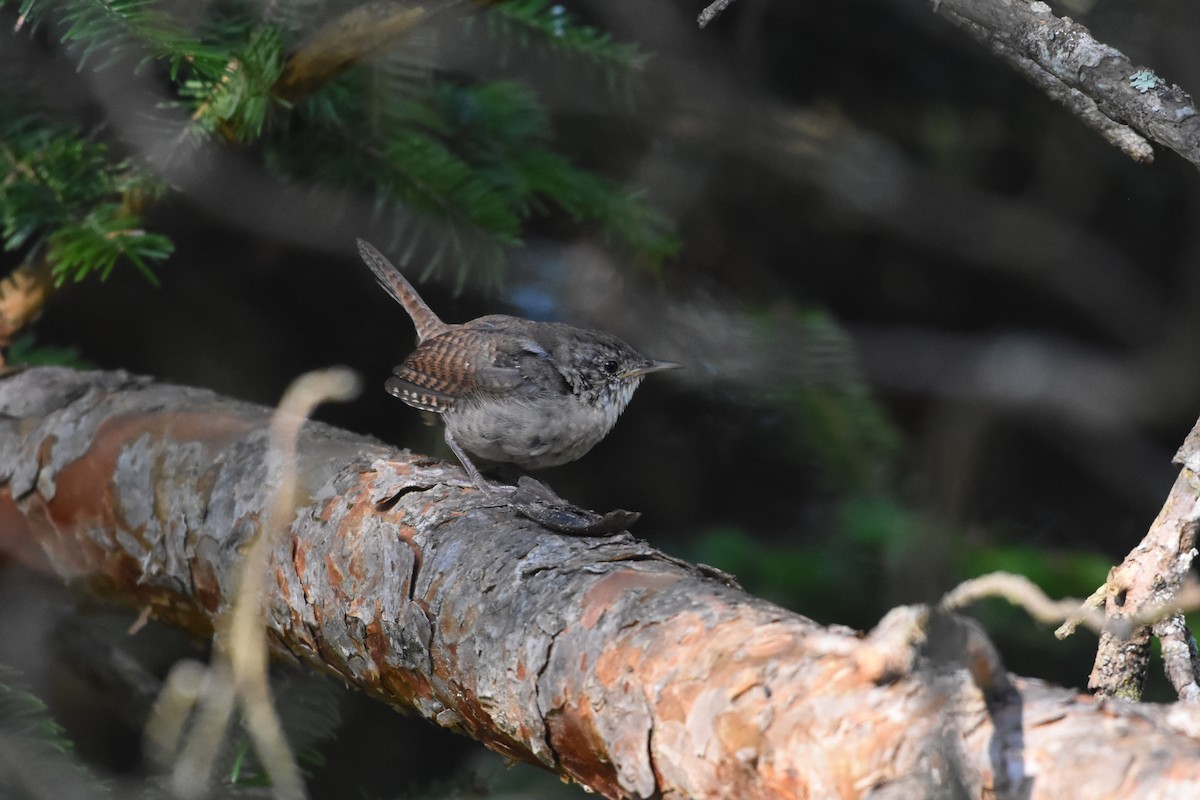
{"x": 712, "y": 11}
{"x": 1127, "y": 105}
{"x": 1145, "y": 595}
{"x": 1152, "y": 576}
{"x": 1098, "y": 83}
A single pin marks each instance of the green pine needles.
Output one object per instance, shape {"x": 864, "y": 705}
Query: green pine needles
{"x": 102, "y": 32}
{"x": 550, "y": 24}
{"x": 39, "y": 757}
{"x": 69, "y": 194}
{"x": 456, "y": 168}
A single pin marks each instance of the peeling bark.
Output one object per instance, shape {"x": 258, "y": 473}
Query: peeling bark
{"x": 598, "y": 658}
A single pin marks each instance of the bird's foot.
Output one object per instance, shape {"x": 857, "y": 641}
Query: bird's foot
{"x": 538, "y": 502}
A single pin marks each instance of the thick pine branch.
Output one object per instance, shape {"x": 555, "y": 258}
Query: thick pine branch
{"x": 599, "y": 658}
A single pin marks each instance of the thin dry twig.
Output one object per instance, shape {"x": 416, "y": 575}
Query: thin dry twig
{"x": 238, "y": 674}
{"x": 1145, "y": 595}
{"x": 1094, "y": 601}
{"x": 1025, "y": 594}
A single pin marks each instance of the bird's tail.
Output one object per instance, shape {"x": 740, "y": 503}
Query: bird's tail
{"x": 428, "y": 324}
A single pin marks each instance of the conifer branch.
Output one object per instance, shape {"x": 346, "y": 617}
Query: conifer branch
{"x": 344, "y": 43}
{"x": 23, "y": 294}
{"x": 461, "y": 168}
{"x": 600, "y": 659}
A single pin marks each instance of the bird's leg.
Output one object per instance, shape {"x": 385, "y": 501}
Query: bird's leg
{"x": 485, "y": 486}
{"x": 536, "y": 501}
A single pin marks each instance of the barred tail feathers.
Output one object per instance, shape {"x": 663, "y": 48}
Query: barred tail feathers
{"x": 428, "y": 324}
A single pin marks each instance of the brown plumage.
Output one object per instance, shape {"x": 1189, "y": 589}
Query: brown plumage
{"x": 534, "y": 394}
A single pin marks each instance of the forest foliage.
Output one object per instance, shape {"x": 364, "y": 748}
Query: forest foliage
{"x": 456, "y": 167}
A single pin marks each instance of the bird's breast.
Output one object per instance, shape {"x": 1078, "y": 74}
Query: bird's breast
{"x": 533, "y": 434}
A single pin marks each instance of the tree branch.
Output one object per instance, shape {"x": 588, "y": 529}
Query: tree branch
{"x": 23, "y": 294}
{"x": 1096, "y": 82}
{"x": 712, "y": 11}
{"x": 343, "y": 43}
{"x": 357, "y": 35}
{"x": 600, "y": 659}
{"x": 1151, "y": 577}
{"x": 1125, "y": 104}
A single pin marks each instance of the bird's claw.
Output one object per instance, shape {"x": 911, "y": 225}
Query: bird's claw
{"x": 538, "y": 502}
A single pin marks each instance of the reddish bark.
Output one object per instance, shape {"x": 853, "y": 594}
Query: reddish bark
{"x": 599, "y": 658}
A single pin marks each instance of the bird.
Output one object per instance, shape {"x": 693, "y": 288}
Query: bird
{"x": 511, "y": 390}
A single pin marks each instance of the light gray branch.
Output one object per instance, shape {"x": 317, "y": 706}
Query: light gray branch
{"x": 1127, "y": 104}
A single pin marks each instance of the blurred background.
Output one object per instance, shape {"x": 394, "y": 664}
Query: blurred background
{"x": 933, "y": 326}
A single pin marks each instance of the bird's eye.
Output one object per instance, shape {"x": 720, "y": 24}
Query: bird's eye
{"x": 610, "y": 367}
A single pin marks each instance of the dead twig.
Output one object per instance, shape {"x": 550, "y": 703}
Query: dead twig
{"x": 238, "y": 675}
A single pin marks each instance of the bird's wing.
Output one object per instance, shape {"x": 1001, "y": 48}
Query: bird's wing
{"x": 471, "y": 360}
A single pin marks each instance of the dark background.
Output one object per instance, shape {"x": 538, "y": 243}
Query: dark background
{"x": 933, "y": 325}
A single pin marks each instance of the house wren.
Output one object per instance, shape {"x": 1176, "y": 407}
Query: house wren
{"x": 511, "y": 390}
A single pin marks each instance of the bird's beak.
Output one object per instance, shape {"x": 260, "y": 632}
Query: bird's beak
{"x": 650, "y": 366}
